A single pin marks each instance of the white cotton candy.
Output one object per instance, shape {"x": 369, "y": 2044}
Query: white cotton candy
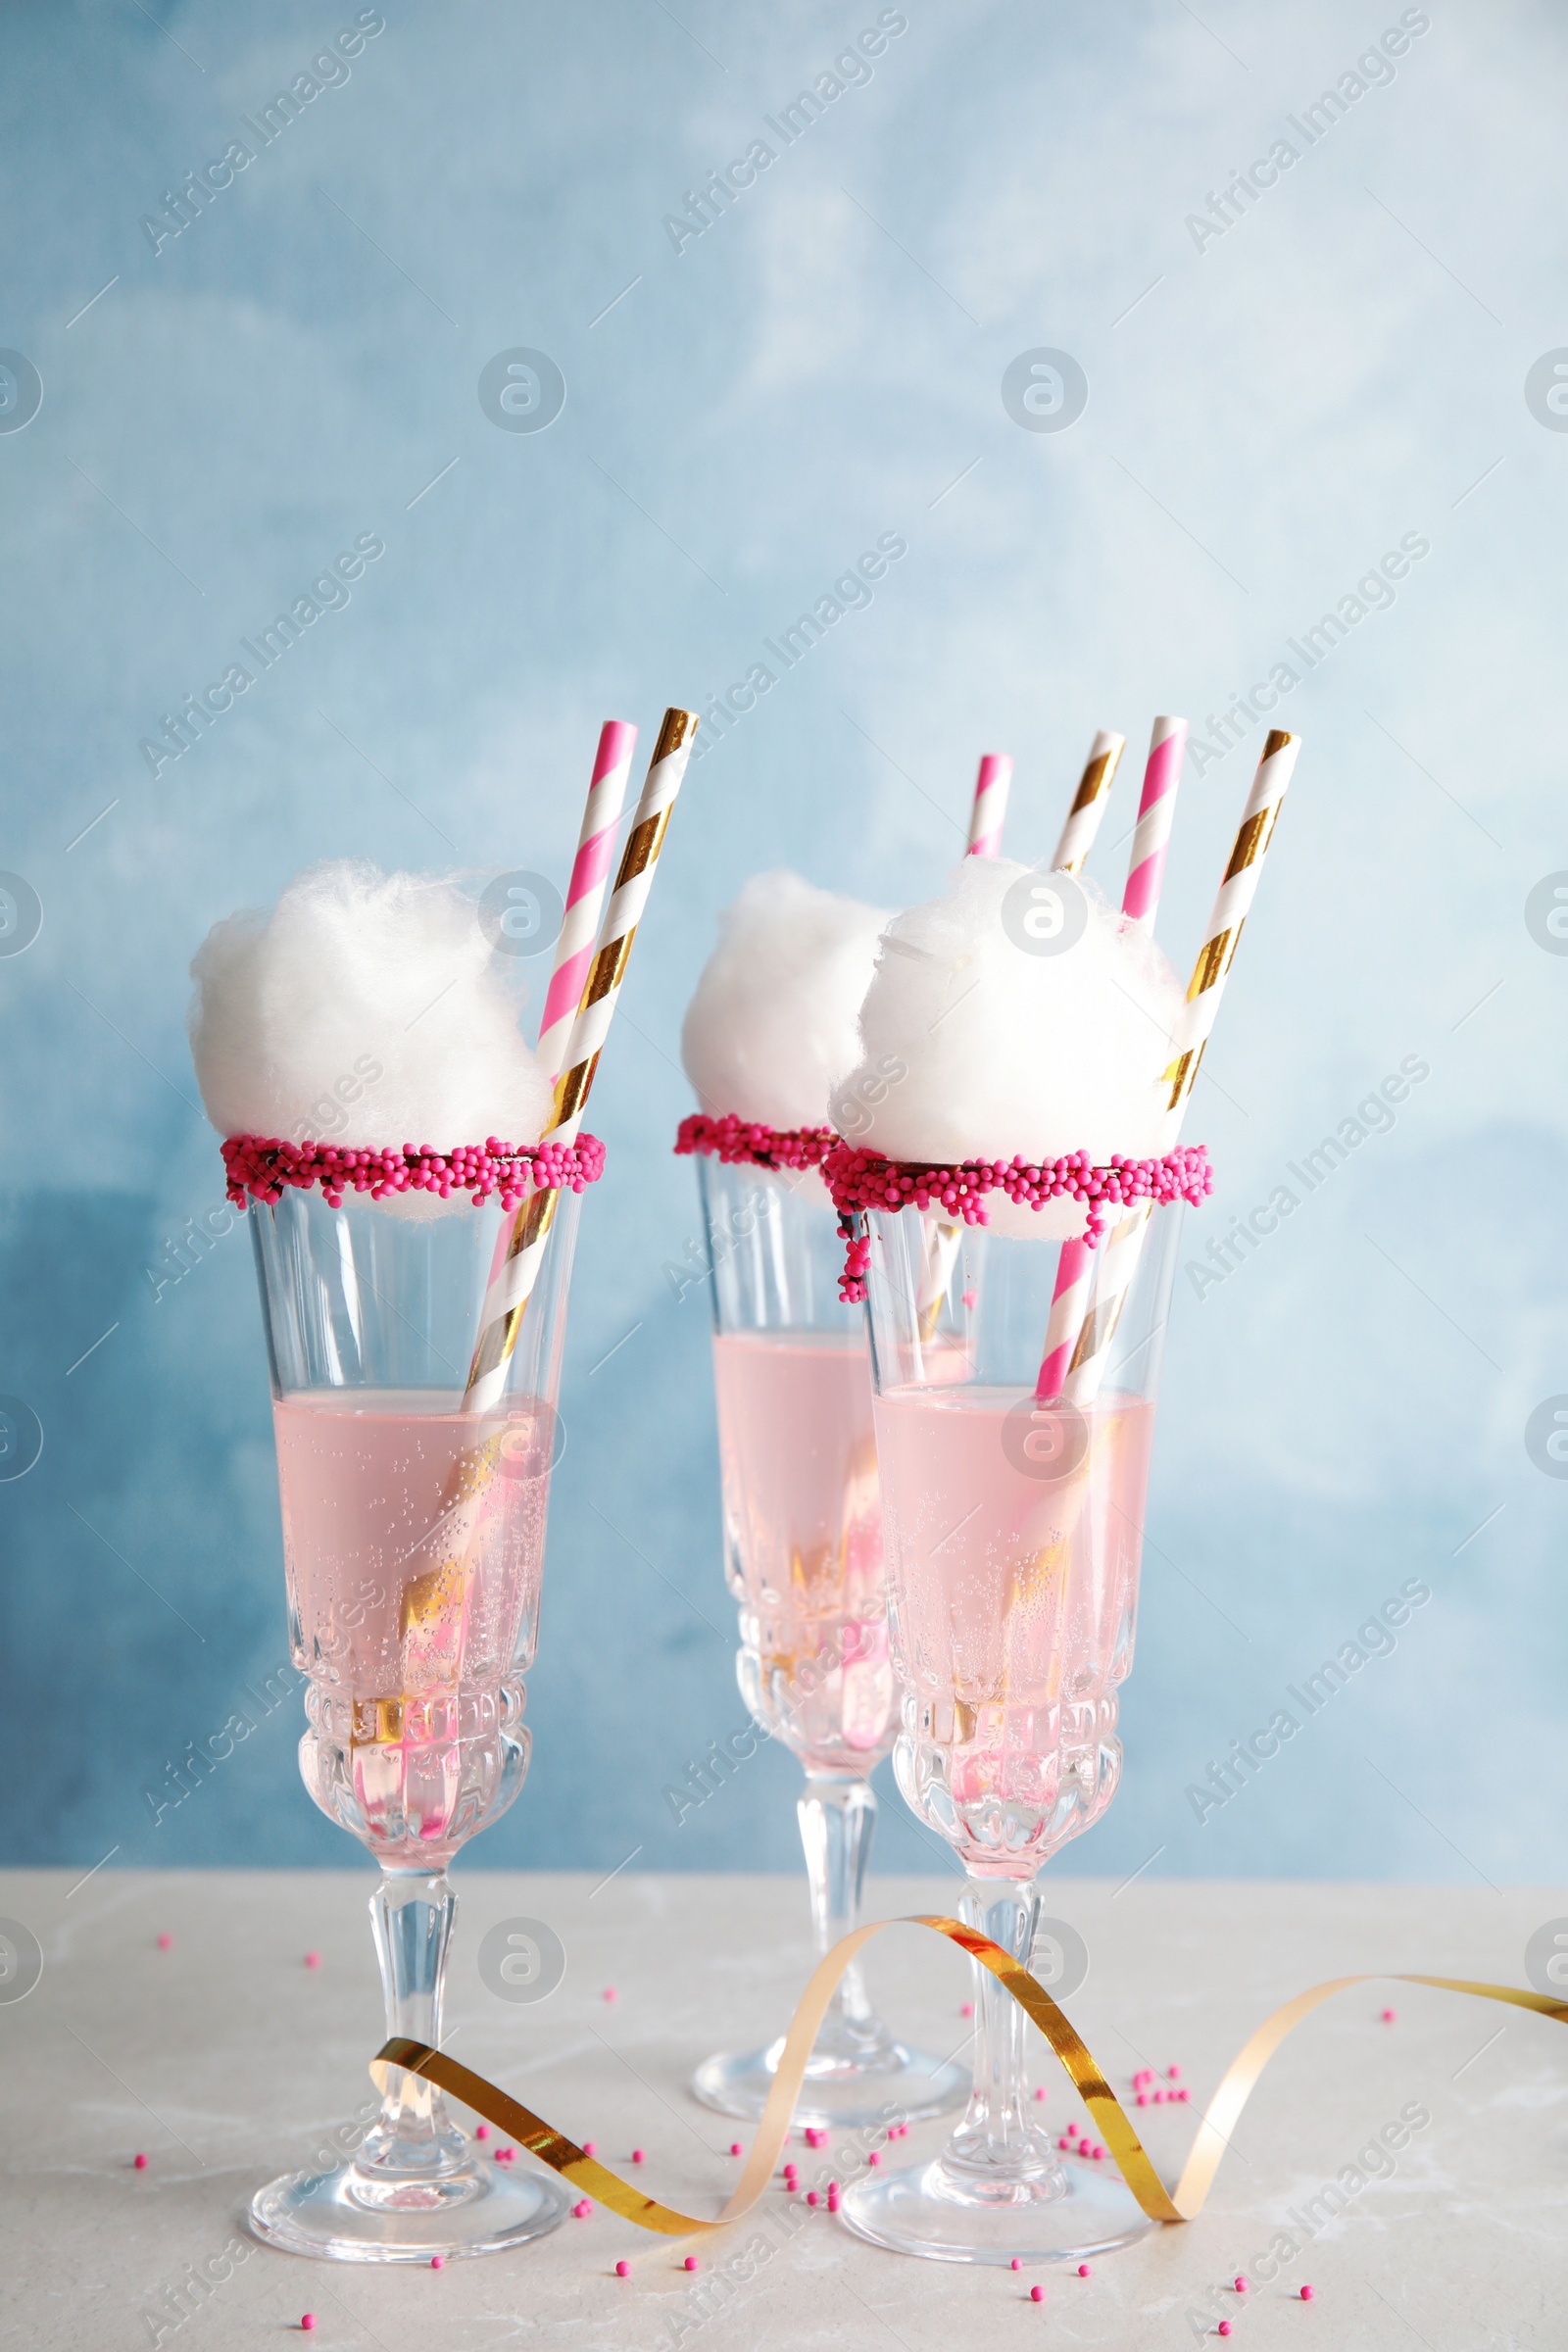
{"x": 1012, "y": 1052}
{"x": 366, "y": 1008}
{"x": 772, "y": 1027}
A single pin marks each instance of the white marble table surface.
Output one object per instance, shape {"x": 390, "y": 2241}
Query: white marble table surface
{"x": 226, "y": 2060}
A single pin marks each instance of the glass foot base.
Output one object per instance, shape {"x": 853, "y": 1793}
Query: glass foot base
{"x": 346, "y": 2215}
{"x": 889, "y": 2083}
{"x": 1066, "y": 2215}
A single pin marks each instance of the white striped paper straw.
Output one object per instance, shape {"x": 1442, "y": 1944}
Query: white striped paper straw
{"x": 1075, "y": 1266}
{"x": 1077, "y": 839}
{"x": 1118, "y": 1254}
{"x": 1088, "y": 803}
{"x": 1075, "y": 1274}
{"x": 1157, "y": 806}
{"x": 585, "y": 893}
{"x": 1237, "y": 891}
{"x": 986, "y": 819}
{"x": 509, "y": 1294}
{"x": 941, "y": 1241}
{"x": 1232, "y": 905}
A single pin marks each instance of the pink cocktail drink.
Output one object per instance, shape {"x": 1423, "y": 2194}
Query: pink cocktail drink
{"x": 803, "y": 1556}
{"x": 803, "y": 1540}
{"x": 414, "y": 1540}
{"x": 1014, "y": 1582}
{"x": 414, "y": 1546}
{"x": 1013, "y": 1533}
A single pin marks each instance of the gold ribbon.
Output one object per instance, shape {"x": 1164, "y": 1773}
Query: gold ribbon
{"x": 1181, "y": 2204}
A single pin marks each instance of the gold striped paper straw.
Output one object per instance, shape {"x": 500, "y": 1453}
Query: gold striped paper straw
{"x": 509, "y": 1294}
{"x": 1232, "y": 904}
{"x": 1082, "y": 821}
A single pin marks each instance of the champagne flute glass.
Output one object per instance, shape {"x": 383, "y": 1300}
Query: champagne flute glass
{"x": 414, "y": 1541}
{"x": 803, "y": 1553}
{"x": 1013, "y": 1538}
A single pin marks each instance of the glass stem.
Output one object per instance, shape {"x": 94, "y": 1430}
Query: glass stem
{"x": 996, "y": 2134}
{"x": 837, "y": 1815}
{"x": 412, "y": 1915}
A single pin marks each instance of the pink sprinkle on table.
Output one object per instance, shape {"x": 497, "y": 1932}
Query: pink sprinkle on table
{"x": 140, "y": 2162}
{"x": 967, "y": 2010}
{"x": 1143, "y": 2098}
{"x": 691, "y": 2263}
{"x": 810, "y": 2196}
{"x": 1306, "y": 2294}
{"x": 580, "y": 2212}
{"x": 873, "y": 2157}
{"x": 1388, "y": 2016}
{"x": 1173, "y": 2074}
{"x": 1240, "y": 2287}
{"x": 1184, "y": 2094}
{"x": 481, "y": 2132}
{"x": 166, "y": 1944}
{"x": 609, "y": 1992}
{"x": 637, "y": 2155}
{"x": 1037, "y": 2294}
{"x": 1016, "y": 2264}
{"x": 624, "y": 2270}
{"x": 969, "y": 1298}
{"x": 832, "y": 2188}
{"x": 1100, "y": 2153}
{"x": 1083, "y": 2270}
{"x": 438, "y": 2261}
{"x": 308, "y": 2319}
{"x": 312, "y": 1959}
{"x": 590, "y": 2148}
{"x": 735, "y": 2147}
{"x": 1224, "y": 2327}
{"x": 1040, "y": 2093}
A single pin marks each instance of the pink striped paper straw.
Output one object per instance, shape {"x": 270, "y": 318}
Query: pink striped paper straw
{"x": 987, "y": 817}
{"x": 585, "y": 893}
{"x": 1156, "y": 808}
{"x": 986, "y": 820}
{"x": 1075, "y": 1272}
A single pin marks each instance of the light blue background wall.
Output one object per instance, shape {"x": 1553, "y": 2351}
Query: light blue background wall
{"x": 1267, "y": 415}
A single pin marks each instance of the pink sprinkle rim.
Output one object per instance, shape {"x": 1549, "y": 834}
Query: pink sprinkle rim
{"x": 860, "y": 1180}
{"x": 750, "y": 1142}
{"x": 264, "y": 1166}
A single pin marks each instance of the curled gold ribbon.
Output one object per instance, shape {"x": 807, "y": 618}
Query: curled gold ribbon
{"x": 1181, "y": 2204}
